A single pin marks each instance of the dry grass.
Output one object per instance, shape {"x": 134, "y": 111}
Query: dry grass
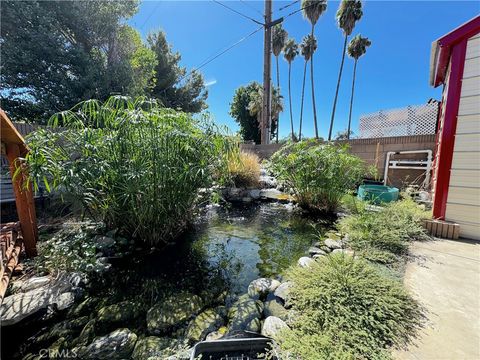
{"x": 244, "y": 169}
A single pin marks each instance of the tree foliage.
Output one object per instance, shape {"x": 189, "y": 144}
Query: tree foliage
{"x": 246, "y": 108}
{"x": 58, "y": 53}
{"x": 174, "y": 86}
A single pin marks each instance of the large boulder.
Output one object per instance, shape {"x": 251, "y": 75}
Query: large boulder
{"x": 283, "y": 291}
{"x": 243, "y": 311}
{"x": 272, "y": 325}
{"x": 204, "y": 323}
{"x": 274, "y": 307}
{"x": 120, "y": 313}
{"x": 261, "y": 287}
{"x": 116, "y": 345}
{"x": 305, "y": 261}
{"x": 333, "y": 244}
{"x": 172, "y": 311}
{"x": 58, "y": 294}
{"x": 150, "y": 346}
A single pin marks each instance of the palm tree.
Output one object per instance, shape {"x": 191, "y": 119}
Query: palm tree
{"x": 356, "y": 48}
{"x": 308, "y": 45}
{"x": 290, "y": 51}
{"x": 279, "y": 36}
{"x": 312, "y": 10}
{"x": 255, "y": 105}
{"x": 348, "y": 13}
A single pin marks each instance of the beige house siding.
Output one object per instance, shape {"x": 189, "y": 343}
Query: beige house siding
{"x": 463, "y": 203}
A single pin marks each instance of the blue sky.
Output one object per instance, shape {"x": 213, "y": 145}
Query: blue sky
{"x": 393, "y": 73}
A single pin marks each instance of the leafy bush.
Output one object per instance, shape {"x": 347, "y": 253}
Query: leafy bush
{"x": 318, "y": 174}
{"x": 134, "y": 165}
{"x": 388, "y": 230}
{"x": 243, "y": 169}
{"x": 346, "y": 309}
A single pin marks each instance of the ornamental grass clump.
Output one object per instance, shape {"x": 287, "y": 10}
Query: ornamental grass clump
{"x": 347, "y": 309}
{"x": 243, "y": 169}
{"x": 319, "y": 174}
{"x": 381, "y": 235}
{"x": 130, "y": 163}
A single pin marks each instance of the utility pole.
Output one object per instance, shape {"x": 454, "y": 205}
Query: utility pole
{"x": 267, "y": 64}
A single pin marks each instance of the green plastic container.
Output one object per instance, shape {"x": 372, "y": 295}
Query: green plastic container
{"x": 378, "y": 193}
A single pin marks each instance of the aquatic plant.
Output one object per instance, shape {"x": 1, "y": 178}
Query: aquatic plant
{"x": 130, "y": 163}
{"x": 347, "y": 309}
{"x": 319, "y": 174}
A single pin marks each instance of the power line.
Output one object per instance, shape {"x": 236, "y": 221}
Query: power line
{"x": 213, "y": 57}
{"x": 150, "y": 15}
{"x": 288, "y": 5}
{"x": 251, "y": 7}
{"x": 238, "y": 12}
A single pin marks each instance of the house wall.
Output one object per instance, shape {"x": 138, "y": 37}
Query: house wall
{"x": 366, "y": 149}
{"x": 463, "y": 201}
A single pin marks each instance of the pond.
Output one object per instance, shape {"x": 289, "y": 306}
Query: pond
{"x": 225, "y": 249}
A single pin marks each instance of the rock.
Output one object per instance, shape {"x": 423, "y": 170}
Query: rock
{"x": 275, "y": 308}
{"x": 272, "y": 325}
{"x": 150, "y": 346}
{"x": 254, "y": 326}
{"x": 317, "y": 256}
{"x": 243, "y": 311}
{"x": 58, "y": 294}
{"x": 216, "y": 335}
{"x": 343, "y": 251}
{"x": 283, "y": 291}
{"x": 316, "y": 251}
{"x": 172, "y": 311}
{"x": 204, "y": 323}
{"x": 31, "y": 284}
{"x": 87, "y": 334}
{"x": 254, "y": 194}
{"x": 181, "y": 355}
{"x": 305, "y": 262}
{"x": 333, "y": 244}
{"x": 84, "y": 308}
{"x": 116, "y": 345}
{"x": 267, "y": 182}
{"x": 122, "y": 312}
{"x": 262, "y": 286}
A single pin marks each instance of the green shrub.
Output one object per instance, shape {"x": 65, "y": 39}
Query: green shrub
{"x": 388, "y": 230}
{"x": 346, "y": 309}
{"x": 318, "y": 174}
{"x": 132, "y": 164}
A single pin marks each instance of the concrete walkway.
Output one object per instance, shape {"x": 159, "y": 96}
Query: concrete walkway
{"x": 444, "y": 276}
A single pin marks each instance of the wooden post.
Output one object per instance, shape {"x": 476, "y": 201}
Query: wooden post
{"x": 267, "y": 62}
{"x": 24, "y": 201}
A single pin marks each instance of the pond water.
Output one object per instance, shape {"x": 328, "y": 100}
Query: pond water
{"x": 226, "y": 248}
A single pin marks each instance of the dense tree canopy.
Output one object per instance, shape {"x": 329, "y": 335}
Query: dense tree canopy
{"x": 57, "y": 53}
{"x": 246, "y": 106}
{"x": 174, "y": 86}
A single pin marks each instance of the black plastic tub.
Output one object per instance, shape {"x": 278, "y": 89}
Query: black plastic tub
{"x": 233, "y": 349}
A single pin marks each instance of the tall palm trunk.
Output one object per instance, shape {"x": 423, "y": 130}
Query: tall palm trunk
{"x": 351, "y": 99}
{"x": 278, "y": 87}
{"x": 313, "y": 92}
{"x": 301, "y": 104}
{"x": 290, "y": 98}
{"x": 338, "y": 88}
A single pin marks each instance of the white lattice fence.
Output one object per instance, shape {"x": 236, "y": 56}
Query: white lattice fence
{"x": 411, "y": 120}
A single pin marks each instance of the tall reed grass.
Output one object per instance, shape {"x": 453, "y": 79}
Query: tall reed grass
{"x": 131, "y": 163}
